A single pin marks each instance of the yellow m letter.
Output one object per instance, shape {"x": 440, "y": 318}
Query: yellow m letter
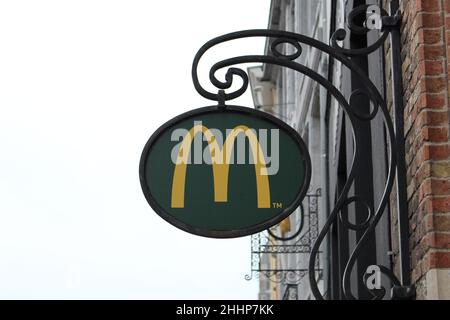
{"x": 220, "y": 159}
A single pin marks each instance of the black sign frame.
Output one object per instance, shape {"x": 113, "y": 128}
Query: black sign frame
{"x": 227, "y": 233}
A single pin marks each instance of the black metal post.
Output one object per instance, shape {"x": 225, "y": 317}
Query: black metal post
{"x": 398, "y": 110}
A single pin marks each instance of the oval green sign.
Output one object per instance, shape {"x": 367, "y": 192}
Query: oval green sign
{"x": 225, "y": 172}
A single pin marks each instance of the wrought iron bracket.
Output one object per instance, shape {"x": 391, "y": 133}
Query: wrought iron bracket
{"x": 394, "y": 21}
{"x": 277, "y": 56}
{"x": 403, "y": 293}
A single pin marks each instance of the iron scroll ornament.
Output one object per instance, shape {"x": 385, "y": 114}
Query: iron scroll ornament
{"x": 275, "y": 56}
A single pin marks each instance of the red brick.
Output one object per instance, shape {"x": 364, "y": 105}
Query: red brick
{"x": 431, "y": 68}
{"x": 441, "y": 222}
{"x": 428, "y": 5}
{"x": 435, "y": 134}
{"x": 438, "y": 259}
{"x": 435, "y": 84}
{"x": 438, "y": 240}
{"x": 425, "y": 208}
{"x": 431, "y": 118}
{"x": 440, "y": 187}
{"x": 439, "y": 152}
{"x": 441, "y": 204}
{"x": 432, "y": 101}
{"x": 425, "y": 189}
{"x": 447, "y": 6}
{"x": 430, "y": 52}
{"x": 430, "y": 36}
{"x": 430, "y": 20}
{"x": 447, "y": 23}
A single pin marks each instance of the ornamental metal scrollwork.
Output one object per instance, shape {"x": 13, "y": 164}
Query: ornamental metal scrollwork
{"x": 267, "y": 243}
{"x": 276, "y": 56}
{"x": 291, "y": 292}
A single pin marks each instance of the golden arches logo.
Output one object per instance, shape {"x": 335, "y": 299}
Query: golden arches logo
{"x": 220, "y": 159}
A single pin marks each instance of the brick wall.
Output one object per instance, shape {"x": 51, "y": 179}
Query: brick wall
{"x": 426, "y": 64}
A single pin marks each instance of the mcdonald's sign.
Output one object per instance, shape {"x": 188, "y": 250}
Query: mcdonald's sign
{"x": 224, "y": 172}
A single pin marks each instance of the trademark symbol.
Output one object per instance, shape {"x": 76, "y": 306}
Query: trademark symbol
{"x": 277, "y": 205}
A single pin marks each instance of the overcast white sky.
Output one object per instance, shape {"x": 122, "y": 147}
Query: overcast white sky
{"x": 83, "y": 85}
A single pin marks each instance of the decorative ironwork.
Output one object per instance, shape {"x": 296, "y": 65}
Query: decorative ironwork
{"x": 296, "y": 234}
{"x": 262, "y": 242}
{"x": 267, "y": 243}
{"x": 291, "y": 292}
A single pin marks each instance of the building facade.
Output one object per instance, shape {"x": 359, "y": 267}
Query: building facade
{"x": 329, "y": 133}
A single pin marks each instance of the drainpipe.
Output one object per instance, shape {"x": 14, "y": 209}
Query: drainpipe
{"x": 324, "y": 176}
{"x": 325, "y": 105}
{"x": 406, "y": 290}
